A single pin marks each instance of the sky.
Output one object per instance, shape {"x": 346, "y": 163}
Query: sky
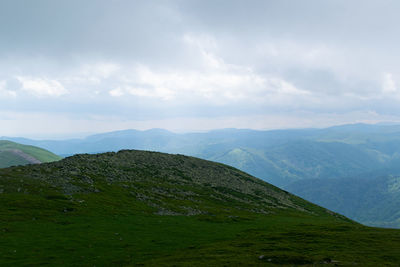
{"x": 70, "y": 68}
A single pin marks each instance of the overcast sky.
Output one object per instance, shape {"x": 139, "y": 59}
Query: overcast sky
{"x": 76, "y": 67}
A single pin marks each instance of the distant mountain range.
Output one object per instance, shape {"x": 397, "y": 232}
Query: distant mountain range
{"x": 279, "y": 157}
{"x": 285, "y": 158}
{"x": 12, "y": 154}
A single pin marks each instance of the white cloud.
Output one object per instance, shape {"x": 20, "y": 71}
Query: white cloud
{"x": 116, "y": 92}
{"x": 42, "y": 87}
{"x": 98, "y": 71}
{"x": 389, "y": 85}
{"x": 5, "y": 92}
{"x": 91, "y": 74}
{"x": 155, "y": 92}
{"x": 222, "y": 83}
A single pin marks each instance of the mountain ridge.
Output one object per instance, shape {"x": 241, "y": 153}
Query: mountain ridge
{"x": 212, "y": 144}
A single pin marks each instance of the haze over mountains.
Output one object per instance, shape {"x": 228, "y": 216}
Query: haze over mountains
{"x": 286, "y": 158}
{"x": 280, "y": 157}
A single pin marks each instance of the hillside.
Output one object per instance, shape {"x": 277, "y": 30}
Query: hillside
{"x": 152, "y": 209}
{"x": 12, "y": 154}
{"x": 303, "y": 159}
{"x": 372, "y": 200}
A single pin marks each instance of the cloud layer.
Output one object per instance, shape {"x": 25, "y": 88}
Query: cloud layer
{"x": 196, "y": 65}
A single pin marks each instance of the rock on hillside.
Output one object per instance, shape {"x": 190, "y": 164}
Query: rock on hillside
{"x": 169, "y": 184}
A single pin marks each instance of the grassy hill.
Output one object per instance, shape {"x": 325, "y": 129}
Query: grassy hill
{"x": 12, "y": 154}
{"x": 148, "y": 208}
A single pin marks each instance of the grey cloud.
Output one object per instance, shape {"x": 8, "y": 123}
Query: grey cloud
{"x": 334, "y": 53}
{"x": 87, "y": 29}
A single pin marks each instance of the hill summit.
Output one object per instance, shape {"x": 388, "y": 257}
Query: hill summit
{"x": 150, "y": 208}
{"x": 170, "y": 184}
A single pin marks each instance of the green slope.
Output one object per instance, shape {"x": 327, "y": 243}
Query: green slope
{"x": 147, "y": 208}
{"x": 8, "y": 158}
{"x": 12, "y": 154}
{"x": 297, "y": 160}
{"x": 371, "y": 200}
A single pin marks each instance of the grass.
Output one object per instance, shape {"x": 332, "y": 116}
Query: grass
{"x": 8, "y": 159}
{"x": 118, "y": 237}
{"x": 38, "y": 153}
{"x": 111, "y": 218}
